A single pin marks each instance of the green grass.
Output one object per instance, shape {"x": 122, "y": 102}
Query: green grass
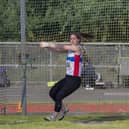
{"x": 85, "y": 121}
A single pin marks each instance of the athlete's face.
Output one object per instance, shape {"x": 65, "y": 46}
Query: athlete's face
{"x": 74, "y": 40}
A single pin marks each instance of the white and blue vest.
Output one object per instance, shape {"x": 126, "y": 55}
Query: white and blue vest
{"x": 73, "y": 64}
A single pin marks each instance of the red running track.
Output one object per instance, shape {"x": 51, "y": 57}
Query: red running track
{"x": 46, "y": 108}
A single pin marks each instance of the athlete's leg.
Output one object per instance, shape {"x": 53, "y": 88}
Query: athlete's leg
{"x": 54, "y": 90}
{"x": 71, "y": 84}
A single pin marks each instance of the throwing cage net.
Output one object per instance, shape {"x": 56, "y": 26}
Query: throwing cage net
{"x": 53, "y": 21}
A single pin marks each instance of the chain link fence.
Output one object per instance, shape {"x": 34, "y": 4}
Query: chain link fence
{"x": 44, "y": 66}
{"x": 24, "y": 23}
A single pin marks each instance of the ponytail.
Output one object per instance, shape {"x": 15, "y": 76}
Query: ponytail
{"x": 81, "y": 35}
{"x": 87, "y": 35}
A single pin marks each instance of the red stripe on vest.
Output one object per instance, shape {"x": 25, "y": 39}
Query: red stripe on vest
{"x": 76, "y": 65}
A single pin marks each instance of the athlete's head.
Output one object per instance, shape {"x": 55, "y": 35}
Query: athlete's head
{"x": 75, "y": 38}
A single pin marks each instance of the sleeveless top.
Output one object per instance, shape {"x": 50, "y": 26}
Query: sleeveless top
{"x": 73, "y": 64}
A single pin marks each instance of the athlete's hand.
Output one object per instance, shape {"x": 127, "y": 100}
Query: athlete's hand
{"x": 44, "y": 44}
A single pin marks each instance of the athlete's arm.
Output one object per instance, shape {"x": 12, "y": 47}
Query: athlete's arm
{"x": 60, "y": 47}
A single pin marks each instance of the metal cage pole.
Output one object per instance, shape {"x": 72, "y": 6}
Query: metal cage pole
{"x": 23, "y": 46}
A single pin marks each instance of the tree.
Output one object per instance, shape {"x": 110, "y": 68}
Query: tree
{"x": 53, "y": 20}
{"x": 9, "y": 19}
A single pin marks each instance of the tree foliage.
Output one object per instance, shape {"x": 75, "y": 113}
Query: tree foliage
{"x": 9, "y": 20}
{"x": 53, "y": 20}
